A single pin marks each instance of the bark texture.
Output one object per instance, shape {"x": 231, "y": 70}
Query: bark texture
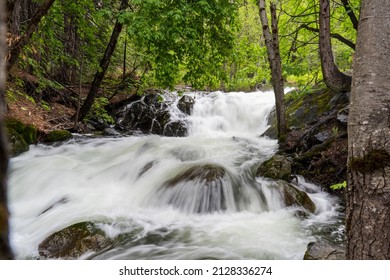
{"x": 368, "y": 190}
{"x": 333, "y": 77}
{"x": 272, "y": 44}
{"x": 104, "y": 63}
{"x": 5, "y": 251}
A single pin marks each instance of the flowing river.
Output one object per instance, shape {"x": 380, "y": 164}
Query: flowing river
{"x": 119, "y": 184}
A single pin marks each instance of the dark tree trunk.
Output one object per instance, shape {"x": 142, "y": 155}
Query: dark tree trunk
{"x": 71, "y": 47}
{"x": 350, "y": 14}
{"x": 368, "y": 188}
{"x": 5, "y": 250}
{"x": 333, "y": 77}
{"x": 272, "y": 44}
{"x": 104, "y": 63}
{"x": 16, "y": 48}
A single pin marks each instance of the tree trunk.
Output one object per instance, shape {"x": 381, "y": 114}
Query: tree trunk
{"x": 104, "y": 63}
{"x": 5, "y": 250}
{"x": 368, "y": 188}
{"x": 333, "y": 77}
{"x": 272, "y": 45}
{"x": 16, "y": 48}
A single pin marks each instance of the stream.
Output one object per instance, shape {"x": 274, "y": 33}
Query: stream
{"x": 121, "y": 184}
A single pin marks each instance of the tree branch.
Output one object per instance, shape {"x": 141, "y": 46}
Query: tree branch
{"x": 333, "y": 35}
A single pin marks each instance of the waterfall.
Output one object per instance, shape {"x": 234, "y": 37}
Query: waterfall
{"x": 194, "y": 197}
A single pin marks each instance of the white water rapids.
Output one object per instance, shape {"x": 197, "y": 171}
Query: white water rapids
{"x": 105, "y": 180}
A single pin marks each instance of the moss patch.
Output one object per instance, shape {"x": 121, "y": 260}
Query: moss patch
{"x": 20, "y": 136}
{"x": 376, "y": 159}
{"x": 58, "y": 135}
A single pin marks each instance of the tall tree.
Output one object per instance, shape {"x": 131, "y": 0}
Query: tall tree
{"x": 17, "y": 46}
{"x": 104, "y": 63}
{"x": 5, "y": 251}
{"x": 333, "y": 77}
{"x": 273, "y": 52}
{"x": 368, "y": 190}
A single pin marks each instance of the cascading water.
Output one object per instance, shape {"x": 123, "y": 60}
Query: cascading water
{"x": 195, "y": 197}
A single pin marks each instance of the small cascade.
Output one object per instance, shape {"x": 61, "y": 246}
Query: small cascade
{"x": 156, "y": 197}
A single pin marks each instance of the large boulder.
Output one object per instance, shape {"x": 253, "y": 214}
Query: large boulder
{"x": 277, "y": 167}
{"x": 199, "y": 189}
{"x": 324, "y": 251}
{"x": 74, "y": 241}
{"x": 20, "y": 136}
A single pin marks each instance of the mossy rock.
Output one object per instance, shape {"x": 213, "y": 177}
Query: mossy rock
{"x": 294, "y": 197}
{"x": 277, "y": 167}
{"x": 74, "y": 241}
{"x": 57, "y": 136}
{"x": 20, "y": 136}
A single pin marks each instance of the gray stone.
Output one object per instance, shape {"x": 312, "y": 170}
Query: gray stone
{"x": 324, "y": 251}
{"x": 277, "y": 167}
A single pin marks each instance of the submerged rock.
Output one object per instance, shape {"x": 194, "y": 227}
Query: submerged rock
{"x": 207, "y": 173}
{"x": 324, "y": 251}
{"x": 200, "y": 189}
{"x": 277, "y": 167}
{"x": 74, "y": 241}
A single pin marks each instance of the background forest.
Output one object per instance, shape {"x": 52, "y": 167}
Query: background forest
{"x": 206, "y": 45}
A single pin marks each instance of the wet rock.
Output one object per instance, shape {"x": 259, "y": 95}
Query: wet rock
{"x": 277, "y": 167}
{"x": 175, "y": 129}
{"x": 57, "y": 136}
{"x": 149, "y": 115}
{"x": 200, "y": 189}
{"x": 74, "y": 241}
{"x": 324, "y": 251}
{"x": 109, "y": 131}
{"x": 207, "y": 173}
{"x": 293, "y": 196}
{"x": 186, "y": 104}
{"x": 20, "y": 136}
{"x": 146, "y": 168}
{"x": 55, "y": 204}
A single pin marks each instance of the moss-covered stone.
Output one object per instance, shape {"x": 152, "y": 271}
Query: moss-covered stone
{"x": 20, "y": 136}
{"x": 58, "y": 135}
{"x": 277, "y": 167}
{"x": 74, "y": 241}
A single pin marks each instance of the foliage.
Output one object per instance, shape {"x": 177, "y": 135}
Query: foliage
{"x": 213, "y": 44}
{"x": 98, "y": 112}
{"x": 339, "y": 186}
